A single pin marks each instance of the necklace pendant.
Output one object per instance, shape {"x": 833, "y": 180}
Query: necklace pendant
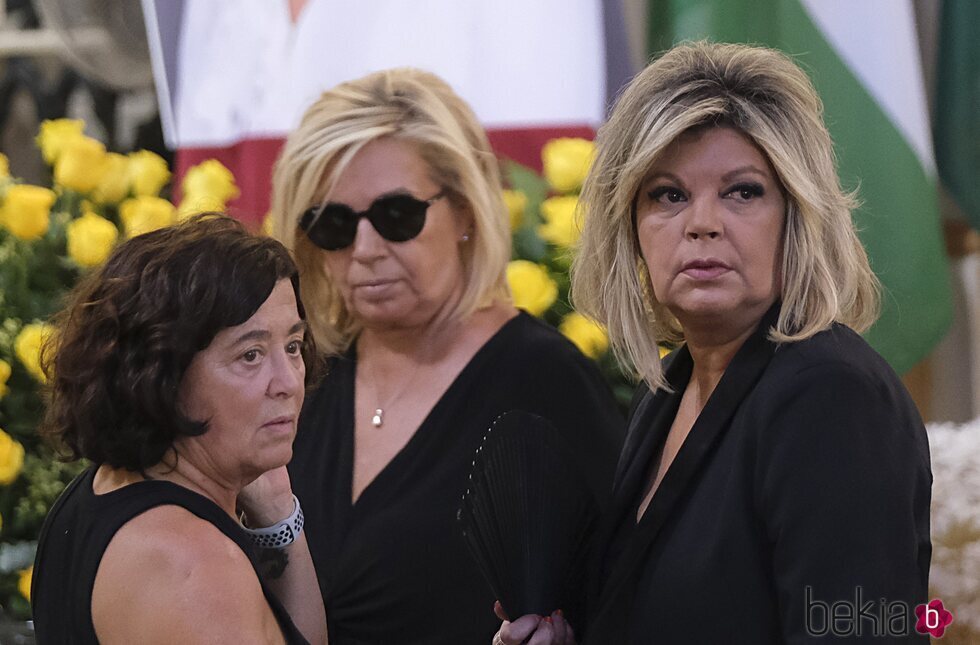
{"x": 377, "y": 419}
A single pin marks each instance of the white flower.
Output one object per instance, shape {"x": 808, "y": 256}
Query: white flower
{"x": 955, "y": 572}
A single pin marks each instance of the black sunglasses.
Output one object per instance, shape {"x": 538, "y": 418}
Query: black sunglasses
{"x": 396, "y": 218}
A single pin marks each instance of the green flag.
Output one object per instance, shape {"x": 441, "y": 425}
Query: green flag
{"x": 863, "y": 59}
{"x": 957, "y": 122}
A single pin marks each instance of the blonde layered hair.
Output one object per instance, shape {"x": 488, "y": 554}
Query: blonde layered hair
{"x": 412, "y": 106}
{"x": 826, "y": 277}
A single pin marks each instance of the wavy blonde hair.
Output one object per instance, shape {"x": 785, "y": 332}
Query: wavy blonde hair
{"x": 409, "y": 105}
{"x": 767, "y": 97}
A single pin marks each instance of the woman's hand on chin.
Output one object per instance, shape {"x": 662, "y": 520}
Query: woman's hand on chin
{"x": 268, "y": 499}
{"x": 533, "y": 629}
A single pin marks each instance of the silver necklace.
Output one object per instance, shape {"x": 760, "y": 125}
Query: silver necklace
{"x": 378, "y": 418}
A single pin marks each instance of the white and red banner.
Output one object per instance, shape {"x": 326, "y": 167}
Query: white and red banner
{"x": 235, "y": 76}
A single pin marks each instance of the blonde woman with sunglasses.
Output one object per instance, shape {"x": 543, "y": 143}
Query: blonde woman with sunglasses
{"x": 390, "y": 199}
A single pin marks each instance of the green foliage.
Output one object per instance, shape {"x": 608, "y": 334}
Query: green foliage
{"x": 34, "y": 279}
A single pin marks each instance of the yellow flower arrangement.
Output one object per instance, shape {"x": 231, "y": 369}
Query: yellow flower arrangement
{"x": 55, "y": 134}
{"x": 26, "y": 211}
{"x": 48, "y": 240}
{"x": 531, "y": 287}
{"x": 190, "y": 206}
{"x": 11, "y": 459}
{"x": 566, "y": 162}
{"x": 81, "y": 165}
{"x": 148, "y": 173}
{"x": 144, "y": 214}
{"x": 24, "y": 582}
{"x": 5, "y": 371}
{"x": 114, "y": 185}
{"x": 90, "y": 239}
{"x": 516, "y": 202}
{"x": 561, "y": 222}
{"x": 588, "y": 336}
{"x": 209, "y": 179}
{"x": 27, "y": 348}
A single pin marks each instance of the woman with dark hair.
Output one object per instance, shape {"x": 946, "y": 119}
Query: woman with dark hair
{"x": 179, "y": 371}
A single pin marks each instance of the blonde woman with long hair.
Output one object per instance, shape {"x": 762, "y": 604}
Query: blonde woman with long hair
{"x": 775, "y": 482}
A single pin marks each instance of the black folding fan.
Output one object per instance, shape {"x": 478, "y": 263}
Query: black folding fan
{"x": 527, "y": 516}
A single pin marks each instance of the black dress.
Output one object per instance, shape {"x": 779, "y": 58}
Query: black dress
{"x": 75, "y": 535}
{"x": 796, "y": 511}
{"x": 393, "y": 567}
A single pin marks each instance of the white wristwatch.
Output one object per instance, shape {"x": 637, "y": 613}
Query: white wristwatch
{"x": 280, "y": 534}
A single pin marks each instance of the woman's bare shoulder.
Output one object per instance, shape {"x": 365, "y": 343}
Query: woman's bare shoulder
{"x": 168, "y": 576}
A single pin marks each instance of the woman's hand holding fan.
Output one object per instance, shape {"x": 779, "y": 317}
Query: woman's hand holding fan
{"x": 533, "y": 630}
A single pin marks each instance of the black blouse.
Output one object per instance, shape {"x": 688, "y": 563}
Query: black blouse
{"x": 803, "y": 485}
{"x": 393, "y": 567}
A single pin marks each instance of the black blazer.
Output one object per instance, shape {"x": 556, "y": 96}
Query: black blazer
{"x": 804, "y": 482}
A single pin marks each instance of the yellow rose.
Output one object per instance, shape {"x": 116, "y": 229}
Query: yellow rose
{"x": 210, "y": 179}
{"x": 81, "y": 165}
{"x": 11, "y": 458}
{"x": 144, "y": 214}
{"x": 532, "y": 288}
{"x": 4, "y": 377}
{"x": 516, "y": 202}
{"x": 114, "y": 186}
{"x": 191, "y": 206}
{"x": 90, "y": 239}
{"x": 561, "y": 221}
{"x": 55, "y": 134}
{"x": 148, "y": 171}
{"x": 27, "y": 348}
{"x": 4, "y": 166}
{"x": 566, "y": 162}
{"x": 588, "y": 336}
{"x": 24, "y": 582}
{"x": 26, "y": 211}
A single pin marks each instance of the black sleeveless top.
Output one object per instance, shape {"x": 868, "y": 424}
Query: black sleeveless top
{"x": 76, "y": 533}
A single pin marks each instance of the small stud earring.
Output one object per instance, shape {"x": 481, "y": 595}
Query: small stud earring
{"x": 466, "y": 237}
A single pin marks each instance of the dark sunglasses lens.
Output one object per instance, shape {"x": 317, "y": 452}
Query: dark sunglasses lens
{"x": 334, "y": 229}
{"x": 398, "y": 218}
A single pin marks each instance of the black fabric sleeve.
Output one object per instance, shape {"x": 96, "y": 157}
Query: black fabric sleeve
{"x": 843, "y": 486}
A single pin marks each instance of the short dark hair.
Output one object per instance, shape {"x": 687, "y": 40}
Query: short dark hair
{"x": 131, "y": 328}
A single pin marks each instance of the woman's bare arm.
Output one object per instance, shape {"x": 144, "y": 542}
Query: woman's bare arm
{"x": 171, "y": 577}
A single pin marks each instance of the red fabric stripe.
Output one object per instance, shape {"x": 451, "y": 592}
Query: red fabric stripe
{"x": 251, "y": 162}
{"x": 523, "y": 145}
